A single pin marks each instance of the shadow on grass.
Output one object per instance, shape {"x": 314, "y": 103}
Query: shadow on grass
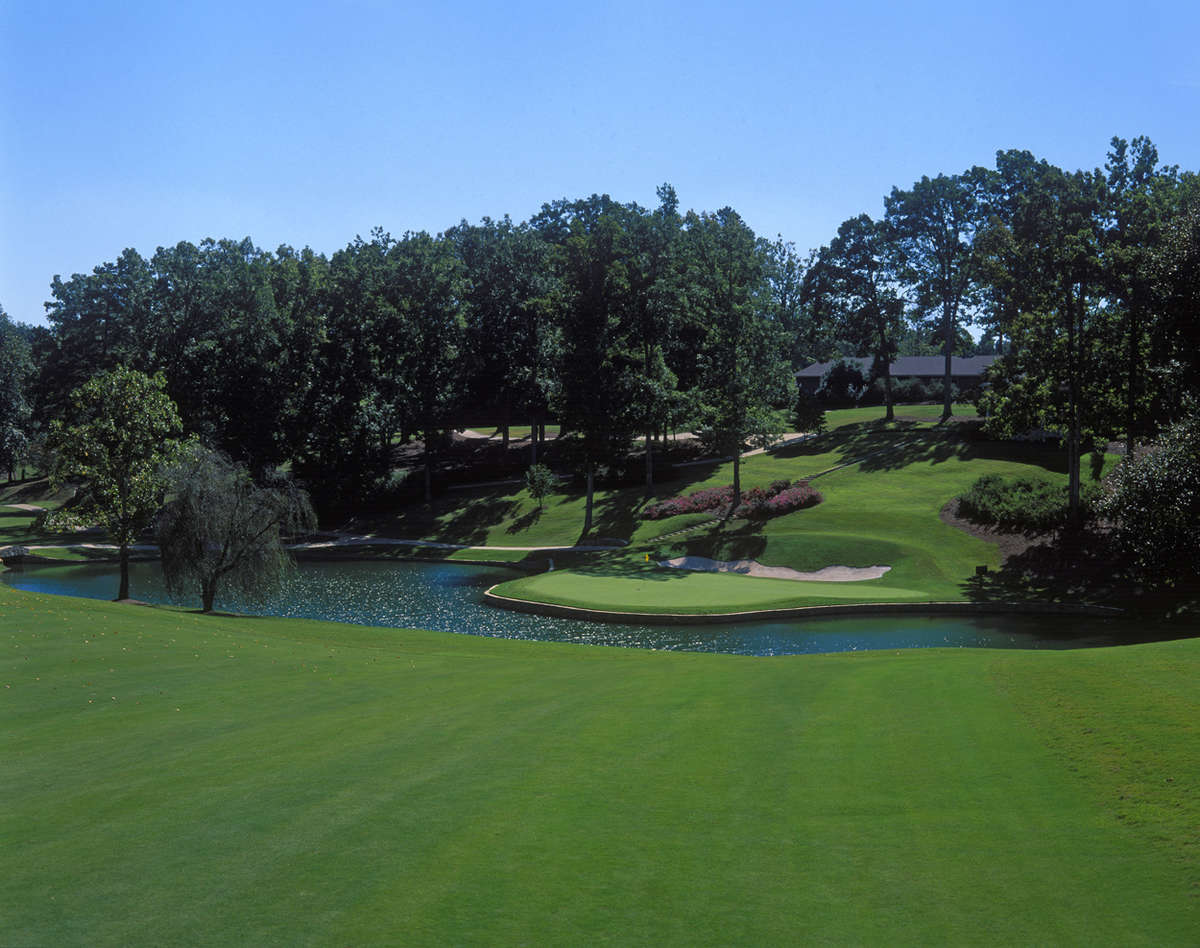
{"x": 1069, "y": 568}
{"x": 451, "y": 520}
{"x": 880, "y": 446}
{"x": 525, "y": 521}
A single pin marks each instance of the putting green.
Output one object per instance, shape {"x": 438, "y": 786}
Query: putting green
{"x": 663, "y": 589}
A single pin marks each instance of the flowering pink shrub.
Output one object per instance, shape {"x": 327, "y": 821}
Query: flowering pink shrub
{"x": 711, "y": 498}
{"x": 757, "y": 503}
{"x": 795, "y": 497}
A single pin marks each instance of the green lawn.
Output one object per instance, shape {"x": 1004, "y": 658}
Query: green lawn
{"x": 882, "y": 511}
{"x": 173, "y": 779}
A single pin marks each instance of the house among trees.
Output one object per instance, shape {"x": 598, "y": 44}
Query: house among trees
{"x": 967, "y": 371}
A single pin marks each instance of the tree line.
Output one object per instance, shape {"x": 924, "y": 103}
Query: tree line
{"x": 620, "y": 321}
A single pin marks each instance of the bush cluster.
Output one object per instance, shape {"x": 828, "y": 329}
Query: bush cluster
{"x": 759, "y": 504}
{"x": 1022, "y": 503}
{"x": 910, "y": 391}
{"x": 1154, "y": 505}
{"x": 779, "y": 497}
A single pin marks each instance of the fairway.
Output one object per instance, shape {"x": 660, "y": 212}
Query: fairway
{"x": 174, "y": 779}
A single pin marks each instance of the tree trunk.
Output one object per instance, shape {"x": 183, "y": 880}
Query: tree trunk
{"x": 947, "y": 375}
{"x": 208, "y": 594}
{"x": 507, "y": 418}
{"x": 737, "y": 480}
{"x": 890, "y": 414}
{"x": 123, "y": 588}
{"x": 1131, "y": 385}
{"x": 591, "y": 481}
{"x": 427, "y": 434}
{"x": 649, "y": 466}
{"x": 1073, "y": 415}
{"x": 533, "y": 440}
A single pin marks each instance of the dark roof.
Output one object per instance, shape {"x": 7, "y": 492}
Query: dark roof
{"x": 915, "y": 366}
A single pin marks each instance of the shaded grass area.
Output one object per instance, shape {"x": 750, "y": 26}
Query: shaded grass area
{"x": 177, "y": 779}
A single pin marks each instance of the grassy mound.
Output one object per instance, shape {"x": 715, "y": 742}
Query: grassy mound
{"x": 177, "y": 779}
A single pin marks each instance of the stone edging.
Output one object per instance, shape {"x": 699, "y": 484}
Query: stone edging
{"x": 799, "y": 612}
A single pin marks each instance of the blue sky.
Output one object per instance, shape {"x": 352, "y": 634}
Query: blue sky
{"x": 142, "y": 124}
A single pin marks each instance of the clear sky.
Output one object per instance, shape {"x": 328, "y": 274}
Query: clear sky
{"x": 131, "y": 124}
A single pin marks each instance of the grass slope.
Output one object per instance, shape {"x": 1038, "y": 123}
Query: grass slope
{"x": 883, "y": 485}
{"x": 176, "y": 779}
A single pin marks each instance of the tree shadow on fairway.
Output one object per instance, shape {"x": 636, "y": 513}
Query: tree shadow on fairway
{"x": 880, "y": 446}
{"x": 739, "y": 540}
{"x": 1072, "y": 567}
{"x": 525, "y": 521}
{"x": 452, "y": 519}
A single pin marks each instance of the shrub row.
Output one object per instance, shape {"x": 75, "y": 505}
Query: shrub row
{"x": 758, "y": 503}
{"x": 1022, "y": 503}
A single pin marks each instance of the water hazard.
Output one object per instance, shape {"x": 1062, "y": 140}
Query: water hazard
{"x": 449, "y": 597}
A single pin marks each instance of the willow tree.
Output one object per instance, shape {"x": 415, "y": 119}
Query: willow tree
{"x": 220, "y": 528}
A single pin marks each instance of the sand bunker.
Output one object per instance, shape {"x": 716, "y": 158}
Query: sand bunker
{"x": 830, "y": 574}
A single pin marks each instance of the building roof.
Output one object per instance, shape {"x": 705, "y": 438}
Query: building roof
{"x": 915, "y": 366}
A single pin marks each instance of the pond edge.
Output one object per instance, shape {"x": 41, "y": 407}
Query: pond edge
{"x": 799, "y": 612}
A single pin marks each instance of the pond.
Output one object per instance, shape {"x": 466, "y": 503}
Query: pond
{"x": 449, "y": 597}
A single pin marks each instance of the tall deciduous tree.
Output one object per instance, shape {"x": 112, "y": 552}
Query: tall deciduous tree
{"x": 1176, "y": 272}
{"x": 16, "y": 370}
{"x": 221, "y": 529}
{"x": 355, "y": 405}
{"x": 933, "y": 226}
{"x": 1141, "y": 200}
{"x": 1057, "y": 375}
{"x": 508, "y": 296}
{"x": 745, "y": 374}
{"x": 98, "y": 321}
{"x": 423, "y": 286}
{"x": 863, "y": 298}
{"x": 120, "y": 429}
{"x": 598, "y": 373}
{"x": 808, "y": 337}
{"x": 654, "y": 239}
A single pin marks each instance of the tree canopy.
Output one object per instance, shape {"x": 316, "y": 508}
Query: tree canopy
{"x": 121, "y": 428}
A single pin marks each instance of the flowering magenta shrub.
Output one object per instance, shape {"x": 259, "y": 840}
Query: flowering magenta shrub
{"x": 711, "y": 498}
{"x": 757, "y": 503}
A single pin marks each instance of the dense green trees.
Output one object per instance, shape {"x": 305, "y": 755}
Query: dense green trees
{"x": 621, "y": 321}
{"x": 16, "y": 371}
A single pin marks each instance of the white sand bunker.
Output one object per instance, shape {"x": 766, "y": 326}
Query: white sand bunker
{"x": 830, "y": 574}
